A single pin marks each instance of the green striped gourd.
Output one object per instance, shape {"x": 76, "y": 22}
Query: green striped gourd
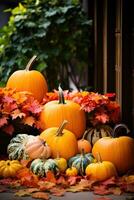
{"x": 16, "y": 147}
{"x": 80, "y": 161}
{"x": 40, "y": 167}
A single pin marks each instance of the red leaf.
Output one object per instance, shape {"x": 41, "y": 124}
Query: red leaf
{"x": 50, "y": 177}
{"x": 102, "y": 198}
{"x": 40, "y": 195}
{"x": 3, "y": 121}
{"x": 72, "y": 180}
{"x": 17, "y": 113}
{"x": 101, "y": 190}
{"x": 109, "y": 182}
{"x": 9, "y": 129}
{"x": 58, "y": 191}
{"x": 61, "y": 181}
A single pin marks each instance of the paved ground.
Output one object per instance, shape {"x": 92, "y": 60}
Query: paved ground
{"x": 72, "y": 196}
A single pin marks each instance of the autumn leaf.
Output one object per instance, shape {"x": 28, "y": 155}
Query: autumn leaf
{"x": 17, "y": 113}
{"x": 27, "y": 178}
{"x": 30, "y": 120}
{"x": 62, "y": 181}
{"x": 45, "y": 185}
{"x": 50, "y": 177}
{"x": 40, "y": 195}
{"x": 3, "y": 121}
{"x": 101, "y": 190}
{"x": 9, "y": 129}
{"x": 26, "y": 192}
{"x": 72, "y": 180}
{"x": 57, "y": 191}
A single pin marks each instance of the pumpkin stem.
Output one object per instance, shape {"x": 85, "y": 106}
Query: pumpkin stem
{"x": 31, "y": 61}
{"x": 82, "y": 152}
{"x": 60, "y": 129}
{"x": 117, "y": 129}
{"x": 61, "y": 96}
{"x": 99, "y": 159}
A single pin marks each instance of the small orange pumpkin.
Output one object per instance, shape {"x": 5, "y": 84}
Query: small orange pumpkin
{"x": 119, "y": 151}
{"x": 84, "y": 145}
{"x": 30, "y": 81}
{"x": 71, "y": 171}
{"x": 101, "y": 171}
{"x": 37, "y": 148}
{"x": 61, "y": 141}
{"x": 55, "y": 112}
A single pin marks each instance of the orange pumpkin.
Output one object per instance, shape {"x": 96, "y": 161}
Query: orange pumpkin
{"x": 119, "y": 151}
{"x": 101, "y": 171}
{"x": 37, "y": 148}
{"x": 31, "y": 81}
{"x": 84, "y": 145}
{"x": 61, "y": 141}
{"x": 55, "y": 112}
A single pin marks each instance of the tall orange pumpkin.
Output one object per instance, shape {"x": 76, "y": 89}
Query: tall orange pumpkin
{"x": 61, "y": 141}
{"x": 119, "y": 151}
{"x": 29, "y": 80}
{"x": 54, "y": 112}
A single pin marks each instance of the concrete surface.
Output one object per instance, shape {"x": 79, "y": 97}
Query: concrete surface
{"x": 70, "y": 196}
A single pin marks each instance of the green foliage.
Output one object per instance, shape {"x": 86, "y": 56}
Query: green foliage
{"x": 57, "y": 31}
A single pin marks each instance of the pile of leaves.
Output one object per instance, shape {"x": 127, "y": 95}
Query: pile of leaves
{"x": 16, "y": 106}
{"x": 42, "y": 188}
{"x": 100, "y": 109}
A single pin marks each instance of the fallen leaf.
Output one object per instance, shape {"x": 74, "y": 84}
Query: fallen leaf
{"x": 61, "y": 181}
{"x": 3, "y": 121}
{"x": 30, "y": 120}
{"x": 26, "y": 192}
{"x": 9, "y": 129}
{"x": 72, "y": 180}
{"x": 58, "y": 191}
{"x": 45, "y": 185}
{"x": 50, "y": 177}
{"x": 101, "y": 190}
{"x": 40, "y": 195}
{"x": 102, "y": 198}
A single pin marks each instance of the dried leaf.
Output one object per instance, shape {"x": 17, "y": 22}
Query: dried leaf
{"x": 50, "y": 177}
{"x": 101, "y": 190}
{"x": 102, "y": 198}
{"x": 30, "y": 120}
{"x": 61, "y": 181}
{"x": 3, "y": 121}
{"x": 58, "y": 191}
{"x": 26, "y": 192}
{"x": 9, "y": 129}
{"x": 72, "y": 180}
{"x": 40, "y": 195}
{"x": 45, "y": 185}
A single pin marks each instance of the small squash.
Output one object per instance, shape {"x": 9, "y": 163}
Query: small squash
{"x": 31, "y": 81}
{"x": 61, "y": 163}
{"x": 16, "y": 147}
{"x": 95, "y": 133}
{"x": 118, "y": 150}
{"x": 72, "y": 171}
{"x": 9, "y": 168}
{"x": 40, "y": 166}
{"x": 61, "y": 110}
{"x": 84, "y": 144}
{"x": 37, "y": 167}
{"x": 61, "y": 141}
{"x": 37, "y": 148}
{"x": 80, "y": 161}
{"x": 101, "y": 171}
